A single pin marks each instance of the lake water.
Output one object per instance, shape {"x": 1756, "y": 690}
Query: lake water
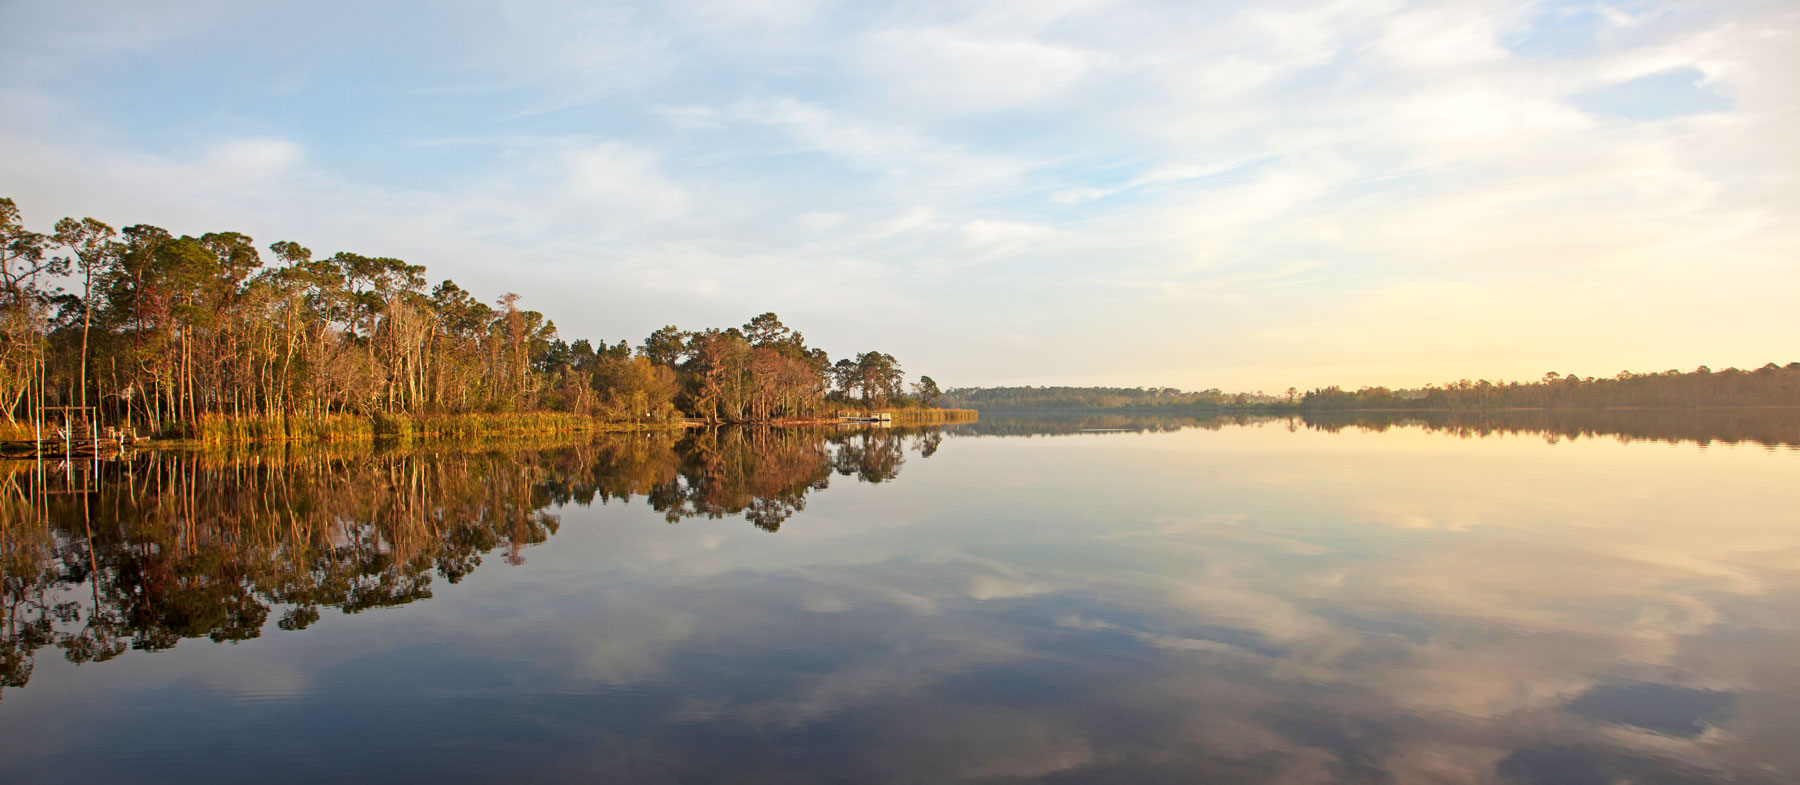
{"x": 1109, "y": 599}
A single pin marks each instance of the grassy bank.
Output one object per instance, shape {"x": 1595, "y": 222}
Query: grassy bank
{"x": 226, "y": 429}
{"x": 221, "y": 429}
{"x": 931, "y": 416}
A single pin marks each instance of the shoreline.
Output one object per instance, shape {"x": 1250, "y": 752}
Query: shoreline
{"x": 226, "y": 430}
{"x": 1285, "y": 409}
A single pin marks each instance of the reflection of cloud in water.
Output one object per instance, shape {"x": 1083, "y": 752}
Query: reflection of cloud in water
{"x": 1293, "y": 641}
{"x": 630, "y": 643}
{"x": 1235, "y": 606}
{"x": 825, "y": 604}
{"x": 1664, "y": 708}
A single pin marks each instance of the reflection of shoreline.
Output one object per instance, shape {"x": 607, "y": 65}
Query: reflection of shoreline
{"x": 99, "y": 557}
{"x": 1767, "y": 426}
{"x": 1772, "y": 427}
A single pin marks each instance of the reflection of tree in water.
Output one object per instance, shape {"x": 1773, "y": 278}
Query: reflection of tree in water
{"x": 766, "y": 473}
{"x": 871, "y": 456}
{"x": 171, "y": 546}
{"x": 927, "y": 442}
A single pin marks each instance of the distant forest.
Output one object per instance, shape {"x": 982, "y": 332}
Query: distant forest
{"x": 1769, "y": 426}
{"x": 1029, "y": 398}
{"x": 171, "y": 331}
{"x": 1770, "y": 385}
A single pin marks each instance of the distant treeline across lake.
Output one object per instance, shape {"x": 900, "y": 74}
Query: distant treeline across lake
{"x": 1768, "y": 426}
{"x": 1769, "y": 385}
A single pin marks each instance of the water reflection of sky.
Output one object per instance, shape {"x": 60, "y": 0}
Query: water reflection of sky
{"x": 1241, "y": 605}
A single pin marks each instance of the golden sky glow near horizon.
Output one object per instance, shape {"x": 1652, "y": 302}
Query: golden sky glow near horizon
{"x": 1245, "y": 196}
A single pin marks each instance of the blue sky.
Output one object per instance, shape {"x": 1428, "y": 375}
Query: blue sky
{"x": 1242, "y": 195}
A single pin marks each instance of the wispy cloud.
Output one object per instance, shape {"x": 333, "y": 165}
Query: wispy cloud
{"x": 1257, "y": 173}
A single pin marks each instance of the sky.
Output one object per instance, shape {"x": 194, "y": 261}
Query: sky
{"x": 1247, "y": 196}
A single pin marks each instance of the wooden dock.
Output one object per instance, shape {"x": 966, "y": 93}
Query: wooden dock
{"x": 78, "y": 435}
{"x": 880, "y": 417}
{"x": 49, "y": 448}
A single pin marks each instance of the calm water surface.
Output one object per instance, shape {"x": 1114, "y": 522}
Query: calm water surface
{"x": 1067, "y": 600}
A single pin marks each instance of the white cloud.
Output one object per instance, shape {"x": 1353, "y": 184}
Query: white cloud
{"x": 907, "y": 157}
{"x": 690, "y": 117}
{"x": 249, "y": 159}
{"x": 997, "y": 238}
{"x": 55, "y": 38}
{"x": 814, "y": 223}
{"x": 1445, "y": 35}
{"x": 945, "y": 70}
{"x": 1456, "y": 126}
{"x": 1166, "y": 173}
{"x": 615, "y": 177}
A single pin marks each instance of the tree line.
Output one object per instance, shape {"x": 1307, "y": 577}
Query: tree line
{"x": 1770, "y": 427}
{"x": 1769, "y": 385}
{"x": 166, "y": 331}
{"x": 1704, "y": 426}
{"x": 1052, "y": 398}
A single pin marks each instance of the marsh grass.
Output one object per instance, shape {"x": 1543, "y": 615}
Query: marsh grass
{"x": 221, "y": 429}
{"x": 217, "y": 429}
{"x": 929, "y": 416}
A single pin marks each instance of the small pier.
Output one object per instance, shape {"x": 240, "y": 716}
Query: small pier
{"x": 79, "y": 435}
{"x": 879, "y": 417}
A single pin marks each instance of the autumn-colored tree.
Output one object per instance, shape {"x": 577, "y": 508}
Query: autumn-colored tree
{"x": 173, "y": 330}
